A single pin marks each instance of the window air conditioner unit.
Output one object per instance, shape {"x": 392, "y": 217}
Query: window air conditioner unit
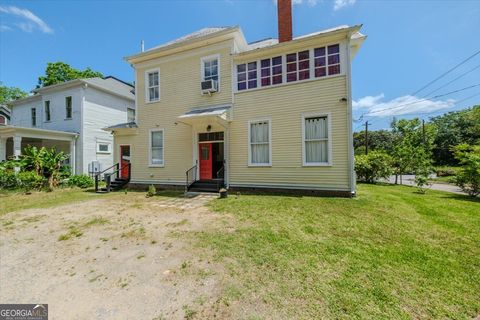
{"x": 209, "y": 86}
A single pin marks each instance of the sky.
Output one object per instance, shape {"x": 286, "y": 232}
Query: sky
{"x": 409, "y": 44}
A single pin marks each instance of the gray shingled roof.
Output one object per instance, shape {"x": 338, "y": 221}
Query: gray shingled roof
{"x": 113, "y": 85}
{"x": 194, "y": 35}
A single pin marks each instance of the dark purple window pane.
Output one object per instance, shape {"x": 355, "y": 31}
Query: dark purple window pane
{"x": 252, "y": 84}
{"x": 334, "y": 59}
{"x": 265, "y": 63}
{"x": 302, "y": 75}
{"x": 291, "y": 57}
{"x": 252, "y": 75}
{"x": 333, "y": 49}
{"x": 265, "y": 72}
{"x": 291, "y": 77}
{"x": 241, "y": 68}
{"x": 291, "y": 67}
{"x": 265, "y": 82}
{"x": 302, "y": 65}
{"x": 276, "y": 79}
{"x": 252, "y": 66}
{"x": 242, "y": 86}
{"x": 303, "y": 55}
{"x": 320, "y": 62}
{"x": 319, "y": 52}
{"x": 334, "y": 69}
{"x": 320, "y": 72}
{"x": 277, "y": 70}
{"x": 277, "y": 60}
{"x": 242, "y": 77}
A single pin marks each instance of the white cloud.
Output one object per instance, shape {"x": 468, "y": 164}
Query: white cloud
{"x": 30, "y": 20}
{"x": 374, "y": 106}
{"x": 339, "y": 4}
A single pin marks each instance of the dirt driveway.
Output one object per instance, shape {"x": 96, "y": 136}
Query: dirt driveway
{"x": 116, "y": 257}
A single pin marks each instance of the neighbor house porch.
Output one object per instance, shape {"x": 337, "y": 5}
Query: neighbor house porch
{"x": 13, "y": 140}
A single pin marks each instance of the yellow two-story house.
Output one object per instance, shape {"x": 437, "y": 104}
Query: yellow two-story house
{"x": 214, "y": 110}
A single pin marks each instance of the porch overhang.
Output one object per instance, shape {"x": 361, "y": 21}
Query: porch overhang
{"x": 127, "y": 128}
{"x": 217, "y": 114}
{"x": 14, "y": 131}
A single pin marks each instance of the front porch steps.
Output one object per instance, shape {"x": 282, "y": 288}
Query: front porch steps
{"x": 115, "y": 185}
{"x": 206, "y": 186}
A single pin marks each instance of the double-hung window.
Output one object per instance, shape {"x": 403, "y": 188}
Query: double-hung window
{"x": 47, "y": 110}
{"x": 247, "y": 76}
{"x": 271, "y": 71}
{"x": 298, "y": 66}
{"x": 152, "y": 85}
{"x": 130, "y": 115}
{"x": 316, "y": 144}
{"x": 259, "y": 143}
{"x": 210, "y": 68}
{"x": 34, "y": 117}
{"x": 156, "y": 148}
{"x": 68, "y": 107}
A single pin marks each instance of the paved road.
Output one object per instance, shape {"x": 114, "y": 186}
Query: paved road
{"x": 409, "y": 180}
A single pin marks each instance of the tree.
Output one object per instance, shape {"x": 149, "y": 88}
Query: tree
{"x": 412, "y": 146}
{"x": 374, "y": 166}
{"x": 455, "y": 128}
{"x": 380, "y": 140}
{"x": 58, "y": 72}
{"x": 468, "y": 177}
{"x": 9, "y": 94}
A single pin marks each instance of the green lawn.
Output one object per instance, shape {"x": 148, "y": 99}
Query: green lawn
{"x": 17, "y": 200}
{"x": 389, "y": 253}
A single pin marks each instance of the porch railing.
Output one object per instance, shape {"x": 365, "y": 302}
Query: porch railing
{"x": 108, "y": 176}
{"x": 191, "y": 176}
{"x": 221, "y": 176}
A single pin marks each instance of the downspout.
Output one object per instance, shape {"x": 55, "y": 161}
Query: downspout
{"x": 351, "y": 159}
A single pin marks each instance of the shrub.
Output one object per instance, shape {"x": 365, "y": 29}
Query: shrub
{"x": 468, "y": 176}
{"x": 374, "y": 166}
{"x": 82, "y": 181}
{"x": 8, "y": 179}
{"x": 30, "y": 180}
{"x": 151, "y": 191}
{"x": 445, "y": 172}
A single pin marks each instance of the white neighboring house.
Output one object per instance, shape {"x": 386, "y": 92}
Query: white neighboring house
{"x": 70, "y": 116}
{"x": 4, "y": 115}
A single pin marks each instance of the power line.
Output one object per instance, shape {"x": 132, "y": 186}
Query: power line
{"x": 445, "y": 73}
{"x": 434, "y": 97}
{"x": 467, "y": 98}
{"x": 459, "y": 77}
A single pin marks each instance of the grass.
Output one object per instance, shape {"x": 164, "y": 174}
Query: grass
{"x": 389, "y": 253}
{"x": 14, "y": 201}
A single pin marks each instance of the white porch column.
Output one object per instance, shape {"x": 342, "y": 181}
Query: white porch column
{"x": 3, "y": 149}
{"x": 17, "y": 149}
{"x": 17, "y": 146}
{"x": 72, "y": 155}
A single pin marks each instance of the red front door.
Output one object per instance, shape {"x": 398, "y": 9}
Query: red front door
{"x": 124, "y": 161}
{"x": 205, "y": 161}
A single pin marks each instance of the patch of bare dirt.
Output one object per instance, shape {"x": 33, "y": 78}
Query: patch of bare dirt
{"x": 121, "y": 257}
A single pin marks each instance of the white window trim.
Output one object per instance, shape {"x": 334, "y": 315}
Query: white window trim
{"x": 329, "y": 141}
{"x": 45, "y": 110}
{"x": 147, "y": 98}
{"x": 134, "y": 113}
{"x": 104, "y": 142}
{"x": 150, "y": 164}
{"x": 269, "y": 164}
{"x": 202, "y": 67}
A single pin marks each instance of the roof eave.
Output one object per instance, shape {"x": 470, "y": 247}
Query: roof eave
{"x": 285, "y": 44}
{"x": 131, "y": 59}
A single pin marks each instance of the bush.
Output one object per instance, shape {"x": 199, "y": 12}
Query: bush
{"x": 8, "y": 179}
{"x": 374, "y": 166}
{"x": 82, "y": 181}
{"x": 30, "y": 180}
{"x": 468, "y": 176}
{"x": 445, "y": 172}
{"x": 151, "y": 191}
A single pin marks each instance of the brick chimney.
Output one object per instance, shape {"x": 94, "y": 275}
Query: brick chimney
{"x": 284, "y": 20}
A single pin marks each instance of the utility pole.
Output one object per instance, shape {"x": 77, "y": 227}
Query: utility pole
{"x": 366, "y": 137}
